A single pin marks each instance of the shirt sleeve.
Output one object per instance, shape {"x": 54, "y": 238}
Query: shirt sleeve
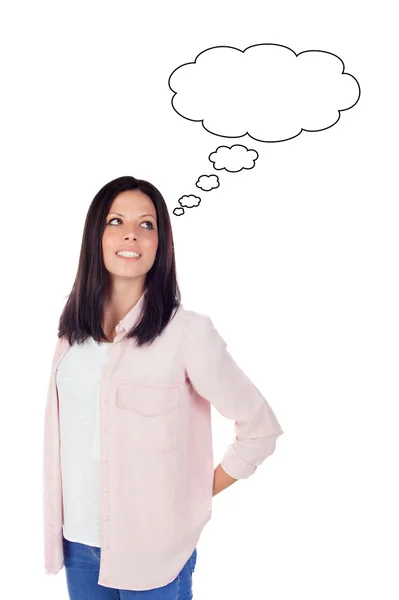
{"x": 216, "y": 377}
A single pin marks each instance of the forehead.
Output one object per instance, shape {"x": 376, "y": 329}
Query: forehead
{"x": 132, "y": 202}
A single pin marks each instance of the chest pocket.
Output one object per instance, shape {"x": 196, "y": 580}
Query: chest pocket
{"x": 151, "y": 416}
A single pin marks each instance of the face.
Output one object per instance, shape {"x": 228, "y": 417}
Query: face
{"x": 135, "y": 228}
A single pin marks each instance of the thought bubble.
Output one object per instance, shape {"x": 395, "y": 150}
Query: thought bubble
{"x": 207, "y": 182}
{"x": 233, "y": 158}
{"x": 266, "y": 91}
{"x": 189, "y": 201}
{"x": 178, "y": 211}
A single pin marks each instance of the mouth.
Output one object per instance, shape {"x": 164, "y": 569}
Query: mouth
{"x": 128, "y": 258}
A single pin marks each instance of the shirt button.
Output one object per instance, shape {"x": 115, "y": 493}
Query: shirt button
{"x": 105, "y": 518}
{"x": 105, "y": 460}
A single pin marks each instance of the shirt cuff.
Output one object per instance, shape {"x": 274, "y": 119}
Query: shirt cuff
{"x": 235, "y": 466}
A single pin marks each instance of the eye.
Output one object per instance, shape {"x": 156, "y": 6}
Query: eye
{"x": 118, "y": 219}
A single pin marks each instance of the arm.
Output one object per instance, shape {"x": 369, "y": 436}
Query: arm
{"x": 221, "y": 480}
{"x": 217, "y": 378}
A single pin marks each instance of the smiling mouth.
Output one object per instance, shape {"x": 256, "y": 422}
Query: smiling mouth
{"x": 132, "y": 258}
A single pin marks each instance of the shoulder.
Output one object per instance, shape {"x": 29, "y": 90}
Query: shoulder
{"x": 193, "y": 319}
{"x": 199, "y": 331}
{"x": 196, "y": 326}
{"x": 185, "y": 315}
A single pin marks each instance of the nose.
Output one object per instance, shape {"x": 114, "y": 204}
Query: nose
{"x": 134, "y": 236}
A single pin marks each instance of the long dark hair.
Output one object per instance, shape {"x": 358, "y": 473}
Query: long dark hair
{"x": 82, "y": 315}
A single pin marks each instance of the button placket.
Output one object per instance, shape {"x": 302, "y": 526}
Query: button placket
{"x": 116, "y": 351}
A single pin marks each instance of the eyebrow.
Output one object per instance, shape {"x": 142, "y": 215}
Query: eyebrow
{"x": 121, "y": 215}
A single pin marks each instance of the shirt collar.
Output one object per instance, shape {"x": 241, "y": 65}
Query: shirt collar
{"x": 132, "y": 316}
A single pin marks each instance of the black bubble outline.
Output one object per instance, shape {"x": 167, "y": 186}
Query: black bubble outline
{"x": 247, "y": 133}
{"x": 205, "y": 175}
{"x": 230, "y": 147}
{"x": 186, "y": 196}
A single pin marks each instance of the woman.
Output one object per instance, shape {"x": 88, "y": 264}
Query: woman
{"x": 128, "y": 462}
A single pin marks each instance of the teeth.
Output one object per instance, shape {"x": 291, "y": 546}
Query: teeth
{"x": 128, "y": 254}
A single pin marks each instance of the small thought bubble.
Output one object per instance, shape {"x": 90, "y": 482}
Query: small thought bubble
{"x": 207, "y": 182}
{"x": 189, "y": 201}
{"x": 178, "y": 211}
{"x": 233, "y": 158}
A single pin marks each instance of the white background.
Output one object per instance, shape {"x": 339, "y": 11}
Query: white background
{"x": 295, "y": 261}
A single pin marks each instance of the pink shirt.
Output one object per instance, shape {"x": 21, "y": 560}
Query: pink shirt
{"x": 156, "y": 447}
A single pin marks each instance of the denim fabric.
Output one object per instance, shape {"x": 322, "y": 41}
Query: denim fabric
{"x": 82, "y": 565}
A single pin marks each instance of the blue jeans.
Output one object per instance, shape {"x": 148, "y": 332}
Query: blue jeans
{"x": 82, "y": 566}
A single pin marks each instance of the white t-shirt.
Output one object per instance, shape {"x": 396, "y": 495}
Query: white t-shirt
{"x": 78, "y": 381}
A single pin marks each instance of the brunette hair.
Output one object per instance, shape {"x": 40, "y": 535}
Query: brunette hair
{"x": 82, "y": 315}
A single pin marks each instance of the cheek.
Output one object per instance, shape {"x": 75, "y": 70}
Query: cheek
{"x": 107, "y": 241}
{"x": 150, "y": 244}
